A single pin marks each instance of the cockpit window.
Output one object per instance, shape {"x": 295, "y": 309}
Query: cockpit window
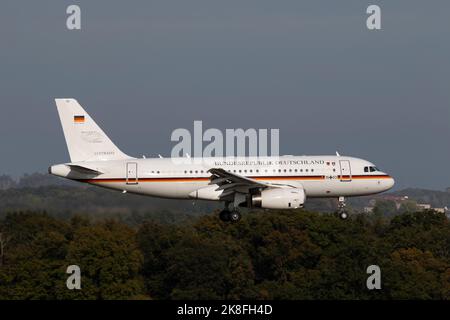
{"x": 371, "y": 169}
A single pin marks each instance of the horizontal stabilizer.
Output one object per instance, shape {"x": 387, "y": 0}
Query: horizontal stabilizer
{"x": 84, "y": 169}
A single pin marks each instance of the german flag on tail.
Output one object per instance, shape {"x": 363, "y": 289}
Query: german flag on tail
{"x": 78, "y": 119}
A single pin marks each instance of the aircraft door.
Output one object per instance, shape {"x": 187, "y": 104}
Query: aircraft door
{"x": 132, "y": 173}
{"x": 346, "y": 172}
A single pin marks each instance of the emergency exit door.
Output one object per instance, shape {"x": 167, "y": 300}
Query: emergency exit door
{"x": 132, "y": 175}
{"x": 346, "y": 171}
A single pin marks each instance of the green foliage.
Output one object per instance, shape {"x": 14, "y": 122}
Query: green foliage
{"x": 267, "y": 255}
{"x": 109, "y": 258}
{"x": 408, "y": 206}
{"x": 415, "y": 274}
{"x": 98, "y": 204}
{"x": 41, "y": 248}
{"x": 385, "y": 207}
{"x": 298, "y": 255}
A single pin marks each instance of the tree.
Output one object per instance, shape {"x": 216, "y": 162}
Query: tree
{"x": 414, "y": 274}
{"x": 6, "y": 182}
{"x": 200, "y": 263}
{"x": 267, "y": 255}
{"x": 110, "y": 262}
{"x": 385, "y": 208}
{"x": 3, "y": 242}
{"x": 37, "y": 247}
{"x": 408, "y": 206}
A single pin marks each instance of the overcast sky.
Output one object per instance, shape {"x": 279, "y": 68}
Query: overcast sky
{"x": 310, "y": 68}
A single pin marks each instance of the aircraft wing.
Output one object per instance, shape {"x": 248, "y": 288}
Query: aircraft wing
{"x": 231, "y": 183}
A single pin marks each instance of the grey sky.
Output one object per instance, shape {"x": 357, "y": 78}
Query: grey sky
{"x": 309, "y": 68}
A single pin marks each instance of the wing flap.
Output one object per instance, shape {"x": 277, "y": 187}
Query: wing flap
{"x": 231, "y": 183}
{"x": 222, "y": 176}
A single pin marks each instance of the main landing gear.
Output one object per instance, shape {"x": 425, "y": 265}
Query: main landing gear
{"x": 341, "y": 208}
{"x": 230, "y": 216}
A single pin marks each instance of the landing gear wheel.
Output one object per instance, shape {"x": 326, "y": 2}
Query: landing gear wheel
{"x": 224, "y": 215}
{"x": 343, "y": 215}
{"x": 341, "y": 208}
{"x": 235, "y": 216}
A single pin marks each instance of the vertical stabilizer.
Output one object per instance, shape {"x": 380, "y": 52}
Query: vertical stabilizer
{"x": 85, "y": 140}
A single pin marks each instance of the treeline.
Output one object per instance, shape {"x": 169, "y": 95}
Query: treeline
{"x": 268, "y": 255}
{"x": 63, "y": 198}
{"x": 437, "y": 199}
{"x": 34, "y": 180}
{"x": 63, "y": 201}
{"x": 99, "y": 203}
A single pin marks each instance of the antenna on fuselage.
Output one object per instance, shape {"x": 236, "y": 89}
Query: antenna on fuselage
{"x": 188, "y": 156}
{"x": 160, "y": 156}
{"x": 337, "y": 153}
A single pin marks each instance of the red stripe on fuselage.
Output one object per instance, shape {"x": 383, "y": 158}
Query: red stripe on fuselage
{"x": 258, "y": 178}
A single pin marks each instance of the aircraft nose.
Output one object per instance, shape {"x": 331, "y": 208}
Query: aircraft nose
{"x": 390, "y": 183}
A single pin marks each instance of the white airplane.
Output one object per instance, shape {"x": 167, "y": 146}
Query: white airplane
{"x": 283, "y": 182}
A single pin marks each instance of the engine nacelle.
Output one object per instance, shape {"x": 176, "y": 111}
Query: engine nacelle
{"x": 279, "y": 198}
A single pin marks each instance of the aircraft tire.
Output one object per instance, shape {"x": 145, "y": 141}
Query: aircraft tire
{"x": 224, "y": 215}
{"x": 235, "y": 216}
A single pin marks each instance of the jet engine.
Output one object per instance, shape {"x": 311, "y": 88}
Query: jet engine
{"x": 279, "y": 198}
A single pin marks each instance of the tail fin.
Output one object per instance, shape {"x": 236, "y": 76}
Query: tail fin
{"x": 85, "y": 140}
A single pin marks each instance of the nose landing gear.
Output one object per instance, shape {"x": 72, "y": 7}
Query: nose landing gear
{"x": 341, "y": 209}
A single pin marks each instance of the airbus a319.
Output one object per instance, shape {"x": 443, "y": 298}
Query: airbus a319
{"x": 284, "y": 182}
